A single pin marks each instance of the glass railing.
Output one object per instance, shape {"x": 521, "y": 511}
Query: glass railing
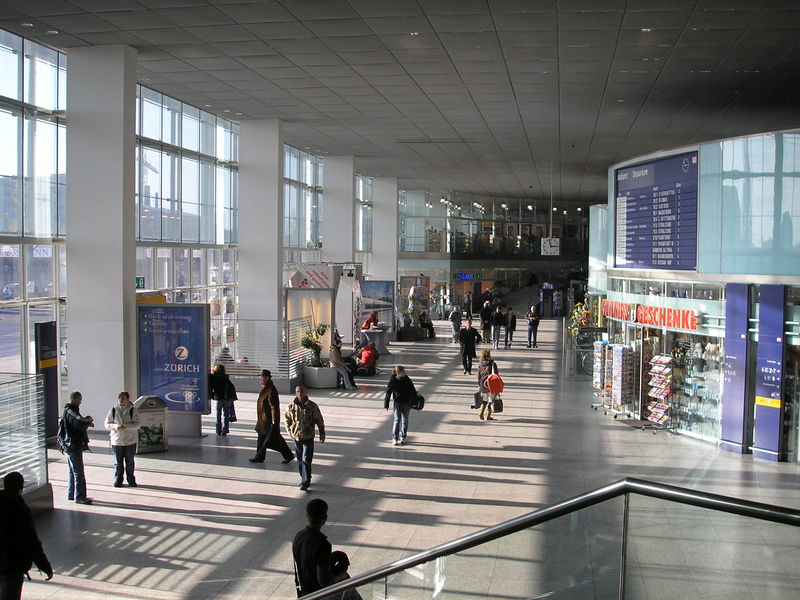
{"x": 630, "y": 539}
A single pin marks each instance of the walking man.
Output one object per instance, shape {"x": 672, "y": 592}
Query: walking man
{"x": 468, "y": 338}
{"x": 301, "y": 418}
{"x": 455, "y": 322}
{"x": 76, "y": 443}
{"x": 533, "y": 325}
{"x": 486, "y": 320}
{"x": 122, "y": 421}
{"x": 498, "y": 320}
{"x": 268, "y": 422}
{"x": 311, "y": 551}
{"x": 511, "y": 327}
{"x": 19, "y": 544}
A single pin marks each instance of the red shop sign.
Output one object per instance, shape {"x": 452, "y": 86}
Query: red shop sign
{"x": 657, "y": 316}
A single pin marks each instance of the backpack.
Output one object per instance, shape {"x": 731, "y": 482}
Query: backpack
{"x": 62, "y": 437}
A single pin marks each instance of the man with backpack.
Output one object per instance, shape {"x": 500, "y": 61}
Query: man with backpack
{"x": 122, "y": 422}
{"x": 73, "y": 440}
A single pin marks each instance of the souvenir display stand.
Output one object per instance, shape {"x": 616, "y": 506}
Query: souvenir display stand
{"x": 623, "y": 378}
{"x": 599, "y": 371}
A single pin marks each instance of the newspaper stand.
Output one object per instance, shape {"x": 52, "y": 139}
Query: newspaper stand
{"x": 659, "y": 408}
{"x": 153, "y": 424}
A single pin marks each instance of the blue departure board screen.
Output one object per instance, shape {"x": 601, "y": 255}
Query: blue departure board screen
{"x": 656, "y": 214}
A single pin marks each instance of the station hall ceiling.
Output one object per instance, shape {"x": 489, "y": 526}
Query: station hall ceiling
{"x": 514, "y": 98}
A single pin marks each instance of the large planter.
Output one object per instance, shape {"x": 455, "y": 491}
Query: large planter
{"x": 319, "y": 377}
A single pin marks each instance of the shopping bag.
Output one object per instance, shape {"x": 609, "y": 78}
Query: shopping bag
{"x": 477, "y": 400}
{"x": 497, "y": 404}
{"x": 494, "y": 383}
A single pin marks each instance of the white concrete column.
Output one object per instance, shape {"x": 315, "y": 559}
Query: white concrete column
{"x": 101, "y": 244}
{"x": 385, "y": 229}
{"x": 261, "y": 220}
{"x": 339, "y": 221}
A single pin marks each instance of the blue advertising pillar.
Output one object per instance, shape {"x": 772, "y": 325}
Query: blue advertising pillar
{"x": 768, "y": 435}
{"x": 733, "y": 423}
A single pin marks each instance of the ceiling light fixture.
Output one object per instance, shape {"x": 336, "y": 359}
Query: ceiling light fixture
{"x": 555, "y": 209}
{"x": 413, "y": 34}
{"x": 579, "y": 209}
{"x": 530, "y": 207}
{"x": 645, "y": 30}
{"x": 26, "y": 24}
{"x": 52, "y": 31}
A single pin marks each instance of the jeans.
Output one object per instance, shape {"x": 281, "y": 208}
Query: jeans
{"x": 345, "y": 378}
{"x": 76, "y": 489}
{"x": 496, "y": 335}
{"x": 509, "y": 337}
{"x": 123, "y": 462}
{"x": 466, "y": 360}
{"x": 456, "y": 331}
{"x": 400, "y": 424}
{"x": 224, "y": 416}
{"x": 533, "y": 330}
{"x": 304, "y": 452}
{"x": 11, "y": 586}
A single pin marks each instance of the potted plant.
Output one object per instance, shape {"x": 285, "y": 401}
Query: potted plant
{"x": 317, "y": 372}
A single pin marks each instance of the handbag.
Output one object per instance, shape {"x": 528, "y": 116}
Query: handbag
{"x": 495, "y": 384}
{"x": 497, "y": 404}
{"x": 477, "y": 400}
{"x": 418, "y": 403}
{"x": 233, "y": 418}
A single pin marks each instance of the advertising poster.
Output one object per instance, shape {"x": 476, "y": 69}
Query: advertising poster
{"x": 539, "y": 229}
{"x": 511, "y": 230}
{"x": 312, "y": 276}
{"x": 377, "y": 296}
{"x": 173, "y": 354}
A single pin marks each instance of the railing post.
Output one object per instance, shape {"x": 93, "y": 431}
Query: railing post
{"x": 623, "y": 559}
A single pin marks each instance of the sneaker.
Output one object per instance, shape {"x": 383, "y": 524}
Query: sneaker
{"x": 403, "y": 442}
{"x": 395, "y": 443}
{"x": 304, "y": 488}
{"x": 83, "y": 501}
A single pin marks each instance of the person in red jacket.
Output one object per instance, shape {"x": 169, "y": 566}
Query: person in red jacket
{"x": 367, "y": 360}
{"x": 372, "y": 321}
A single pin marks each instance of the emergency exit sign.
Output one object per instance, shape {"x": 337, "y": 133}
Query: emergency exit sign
{"x": 140, "y": 283}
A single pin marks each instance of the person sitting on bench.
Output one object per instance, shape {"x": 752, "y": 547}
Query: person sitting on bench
{"x": 425, "y": 323}
{"x": 367, "y": 360}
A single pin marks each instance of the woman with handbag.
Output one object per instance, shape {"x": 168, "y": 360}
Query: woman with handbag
{"x": 223, "y": 391}
{"x": 486, "y": 369}
{"x": 401, "y": 389}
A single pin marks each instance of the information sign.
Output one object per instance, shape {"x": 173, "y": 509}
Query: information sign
{"x": 656, "y": 214}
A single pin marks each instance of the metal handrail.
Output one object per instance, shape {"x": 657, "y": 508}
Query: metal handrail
{"x": 629, "y": 485}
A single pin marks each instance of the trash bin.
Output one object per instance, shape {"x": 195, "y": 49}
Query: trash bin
{"x": 153, "y": 424}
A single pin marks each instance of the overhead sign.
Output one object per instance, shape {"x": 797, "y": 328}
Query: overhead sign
{"x": 656, "y": 214}
{"x": 657, "y": 316}
{"x": 173, "y": 345}
{"x": 467, "y": 276}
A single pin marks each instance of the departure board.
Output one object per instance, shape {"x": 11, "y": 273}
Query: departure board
{"x": 656, "y": 214}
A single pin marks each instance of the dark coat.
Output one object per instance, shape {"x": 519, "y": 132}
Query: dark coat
{"x": 311, "y": 551}
{"x": 467, "y": 338}
{"x": 268, "y": 409}
{"x": 76, "y": 426}
{"x": 19, "y": 544}
{"x": 486, "y": 314}
{"x": 486, "y": 368}
{"x": 511, "y": 323}
{"x": 401, "y": 389}
{"x": 221, "y": 387}
{"x": 498, "y": 318}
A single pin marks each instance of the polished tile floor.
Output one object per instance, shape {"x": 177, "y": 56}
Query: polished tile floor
{"x": 206, "y": 523}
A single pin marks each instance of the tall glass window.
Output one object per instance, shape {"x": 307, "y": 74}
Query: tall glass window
{"x": 302, "y": 199}
{"x": 187, "y": 177}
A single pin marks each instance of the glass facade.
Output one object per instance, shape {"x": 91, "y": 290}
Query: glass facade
{"x": 187, "y": 173}
{"x": 750, "y": 205}
{"x": 302, "y": 199}
{"x": 466, "y": 225}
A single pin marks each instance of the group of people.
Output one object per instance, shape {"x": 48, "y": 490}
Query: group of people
{"x": 493, "y": 323}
